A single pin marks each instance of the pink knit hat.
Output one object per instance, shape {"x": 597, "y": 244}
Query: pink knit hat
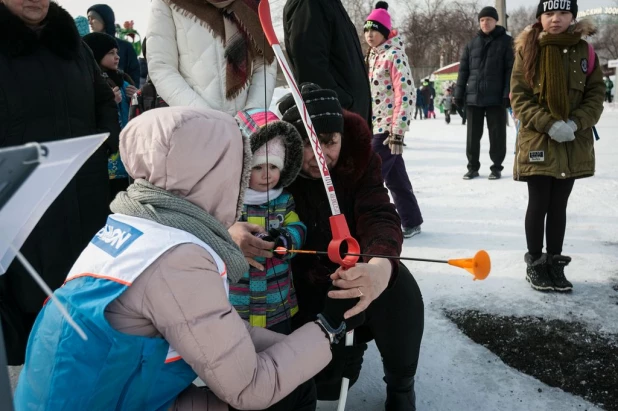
{"x": 379, "y": 19}
{"x": 276, "y": 153}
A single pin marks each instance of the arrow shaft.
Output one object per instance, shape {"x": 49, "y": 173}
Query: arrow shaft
{"x": 370, "y": 256}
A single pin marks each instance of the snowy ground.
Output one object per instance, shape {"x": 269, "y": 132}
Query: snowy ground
{"x": 462, "y": 217}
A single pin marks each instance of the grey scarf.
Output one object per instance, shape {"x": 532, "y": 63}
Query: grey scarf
{"x": 150, "y": 202}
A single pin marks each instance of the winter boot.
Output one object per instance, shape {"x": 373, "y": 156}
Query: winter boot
{"x": 411, "y": 231}
{"x": 555, "y": 268}
{"x": 537, "y": 273}
{"x": 470, "y": 175}
{"x": 400, "y": 394}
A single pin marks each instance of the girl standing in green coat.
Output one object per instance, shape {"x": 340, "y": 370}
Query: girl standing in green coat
{"x": 557, "y": 94}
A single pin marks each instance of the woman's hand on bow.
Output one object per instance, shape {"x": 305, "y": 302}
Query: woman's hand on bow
{"x": 365, "y": 280}
{"x": 243, "y": 235}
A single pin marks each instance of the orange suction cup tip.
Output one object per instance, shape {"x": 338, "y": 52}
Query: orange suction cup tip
{"x": 479, "y": 266}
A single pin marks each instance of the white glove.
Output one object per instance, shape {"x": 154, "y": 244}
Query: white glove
{"x": 561, "y": 132}
{"x": 572, "y": 124}
{"x": 395, "y": 143}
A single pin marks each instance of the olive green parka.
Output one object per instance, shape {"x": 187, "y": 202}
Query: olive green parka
{"x": 537, "y": 153}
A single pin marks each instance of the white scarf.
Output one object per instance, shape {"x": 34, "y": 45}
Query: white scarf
{"x": 253, "y": 197}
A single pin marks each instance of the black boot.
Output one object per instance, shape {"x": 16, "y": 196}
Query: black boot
{"x": 537, "y": 274}
{"x": 555, "y": 268}
{"x": 400, "y": 394}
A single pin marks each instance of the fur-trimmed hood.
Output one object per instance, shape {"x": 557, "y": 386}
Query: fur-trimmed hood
{"x": 260, "y": 127}
{"x": 59, "y": 34}
{"x": 585, "y": 26}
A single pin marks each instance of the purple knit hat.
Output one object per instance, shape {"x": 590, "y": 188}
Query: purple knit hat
{"x": 379, "y": 19}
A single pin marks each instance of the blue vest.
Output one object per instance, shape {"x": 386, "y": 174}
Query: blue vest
{"x": 112, "y": 370}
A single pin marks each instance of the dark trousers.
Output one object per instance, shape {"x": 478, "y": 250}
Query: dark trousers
{"x": 496, "y": 123}
{"x": 395, "y": 320}
{"x": 546, "y": 214}
{"x": 397, "y": 181}
{"x": 419, "y": 110}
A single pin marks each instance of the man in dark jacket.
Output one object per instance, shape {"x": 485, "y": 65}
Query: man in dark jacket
{"x": 51, "y": 89}
{"x": 484, "y": 82}
{"x": 102, "y": 19}
{"x": 323, "y": 48}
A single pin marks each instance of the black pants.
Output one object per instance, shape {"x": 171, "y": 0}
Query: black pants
{"x": 496, "y": 123}
{"x": 395, "y": 320}
{"x": 419, "y": 110}
{"x": 303, "y": 398}
{"x": 547, "y": 198}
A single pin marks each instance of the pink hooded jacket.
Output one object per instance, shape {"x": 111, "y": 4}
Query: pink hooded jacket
{"x": 199, "y": 154}
{"x": 392, "y": 88}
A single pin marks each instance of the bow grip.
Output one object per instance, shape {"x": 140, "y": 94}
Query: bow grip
{"x": 341, "y": 234}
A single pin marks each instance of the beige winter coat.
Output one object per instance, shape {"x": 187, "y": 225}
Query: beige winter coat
{"x": 198, "y": 155}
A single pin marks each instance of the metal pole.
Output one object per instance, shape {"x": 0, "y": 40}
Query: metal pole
{"x": 6, "y": 393}
{"x": 501, "y": 8}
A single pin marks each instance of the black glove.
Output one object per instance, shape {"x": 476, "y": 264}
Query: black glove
{"x": 332, "y": 316}
{"x": 506, "y": 102}
{"x": 282, "y": 238}
{"x": 459, "y": 102}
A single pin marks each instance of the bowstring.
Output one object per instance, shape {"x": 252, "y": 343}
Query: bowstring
{"x": 266, "y": 222}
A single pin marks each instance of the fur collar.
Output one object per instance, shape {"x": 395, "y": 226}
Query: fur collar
{"x": 585, "y": 26}
{"x": 356, "y": 149}
{"x": 58, "y": 34}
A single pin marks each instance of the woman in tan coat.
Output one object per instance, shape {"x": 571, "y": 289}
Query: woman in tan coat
{"x": 557, "y": 93}
{"x": 151, "y": 291}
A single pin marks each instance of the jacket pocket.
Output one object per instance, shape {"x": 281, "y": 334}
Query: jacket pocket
{"x": 533, "y": 147}
{"x": 581, "y": 153}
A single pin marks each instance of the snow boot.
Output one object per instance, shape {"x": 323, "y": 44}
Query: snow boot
{"x": 411, "y": 231}
{"x": 470, "y": 175}
{"x": 537, "y": 273}
{"x": 555, "y": 268}
{"x": 400, "y": 395}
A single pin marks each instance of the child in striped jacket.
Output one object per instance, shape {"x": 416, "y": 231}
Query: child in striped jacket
{"x": 266, "y": 298}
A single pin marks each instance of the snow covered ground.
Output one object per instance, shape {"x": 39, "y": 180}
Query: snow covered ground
{"x": 462, "y": 217}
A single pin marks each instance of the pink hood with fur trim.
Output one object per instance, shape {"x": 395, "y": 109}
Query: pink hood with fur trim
{"x": 197, "y": 154}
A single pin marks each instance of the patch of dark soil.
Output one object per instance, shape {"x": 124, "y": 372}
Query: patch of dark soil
{"x": 559, "y": 353}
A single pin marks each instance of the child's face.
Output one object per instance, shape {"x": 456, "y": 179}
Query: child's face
{"x": 110, "y": 60}
{"x": 556, "y": 22}
{"x": 374, "y": 38}
{"x": 264, "y": 177}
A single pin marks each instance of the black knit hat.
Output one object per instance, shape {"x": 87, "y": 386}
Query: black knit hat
{"x": 546, "y": 6}
{"x": 323, "y": 106}
{"x": 100, "y": 44}
{"x": 489, "y": 12}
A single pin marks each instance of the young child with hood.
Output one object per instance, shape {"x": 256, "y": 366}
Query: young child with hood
{"x": 393, "y": 95}
{"x": 557, "y": 92}
{"x": 150, "y": 291}
{"x": 265, "y": 295}
{"x": 105, "y": 50}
